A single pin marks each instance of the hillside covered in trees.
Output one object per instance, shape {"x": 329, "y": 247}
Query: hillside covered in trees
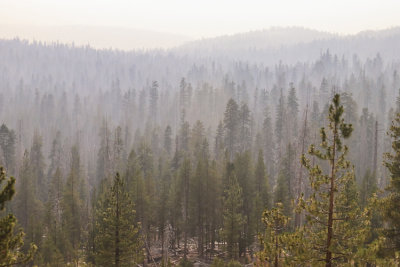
{"x": 275, "y": 155}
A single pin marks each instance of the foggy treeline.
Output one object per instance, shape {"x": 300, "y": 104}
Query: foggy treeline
{"x": 204, "y": 138}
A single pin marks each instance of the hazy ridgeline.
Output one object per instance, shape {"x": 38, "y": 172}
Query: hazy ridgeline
{"x": 105, "y": 103}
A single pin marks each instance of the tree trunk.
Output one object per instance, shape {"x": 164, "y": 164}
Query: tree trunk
{"x": 328, "y": 259}
{"x": 117, "y": 252}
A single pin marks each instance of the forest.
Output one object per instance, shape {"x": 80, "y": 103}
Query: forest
{"x": 201, "y": 156}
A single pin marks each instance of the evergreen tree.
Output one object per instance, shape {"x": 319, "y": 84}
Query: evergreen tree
{"x": 244, "y": 175}
{"x": 280, "y": 123}
{"x": 154, "y": 101}
{"x": 168, "y": 140}
{"x": 244, "y": 128}
{"x": 38, "y": 164}
{"x": 268, "y": 143}
{"x": 104, "y": 154}
{"x": 231, "y": 123}
{"x": 284, "y": 184}
{"x": 7, "y": 145}
{"x": 293, "y": 111}
{"x": 54, "y": 241}
{"x": 391, "y": 203}
{"x": 219, "y": 141}
{"x": 336, "y": 227}
{"x": 72, "y": 208}
{"x": 11, "y": 242}
{"x": 118, "y": 159}
{"x": 262, "y": 193}
{"x": 368, "y": 187}
{"x": 118, "y": 241}
{"x": 273, "y": 241}
{"x": 232, "y": 217}
{"x": 185, "y": 174}
{"x": 29, "y": 208}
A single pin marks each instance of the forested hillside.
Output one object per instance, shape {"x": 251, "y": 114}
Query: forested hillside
{"x": 272, "y": 155}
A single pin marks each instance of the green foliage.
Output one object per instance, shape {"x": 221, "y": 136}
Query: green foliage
{"x": 185, "y": 263}
{"x": 117, "y": 240}
{"x": 72, "y": 208}
{"x": 233, "y": 219}
{"x": 262, "y": 198}
{"x": 7, "y": 146}
{"x": 231, "y": 124}
{"x": 335, "y": 225}
{"x": 391, "y": 203}
{"x": 274, "y": 239}
{"x": 11, "y": 242}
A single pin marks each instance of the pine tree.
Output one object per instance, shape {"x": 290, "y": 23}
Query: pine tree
{"x": 273, "y": 240}
{"x": 72, "y": 208}
{"x": 284, "y": 184}
{"x": 262, "y": 192}
{"x": 335, "y": 225}
{"x": 279, "y": 123}
{"x": 154, "y": 101}
{"x": 118, "y": 241}
{"x": 232, "y": 217}
{"x": 7, "y": 145}
{"x": 244, "y": 175}
{"x": 219, "y": 141}
{"x": 268, "y": 143}
{"x": 185, "y": 174}
{"x": 368, "y": 187}
{"x": 11, "y": 242}
{"x": 391, "y": 203}
{"x": 54, "y": 241}
{"x": 244, "y": 128}
{"x": 231, "y": 123}
{"x": 38, "y": 164}
{"x": 293, "y": 111}
{"x": 29, "y": 208}
{"x": 104, "y": 154}
{"x": 168, "y": 140}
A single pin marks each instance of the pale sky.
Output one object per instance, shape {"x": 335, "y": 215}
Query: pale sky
{"x": 204, "y": 18}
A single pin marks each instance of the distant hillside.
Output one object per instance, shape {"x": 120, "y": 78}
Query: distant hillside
{"x": 261, "y": 39}
{"x": 95, "y": 36}
{"x": 294, "y": 44}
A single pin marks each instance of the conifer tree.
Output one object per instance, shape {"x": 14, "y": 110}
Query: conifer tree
{"x": 391, "y": 203}
{"x": 293, "y": 110}
{"x": 268, "y": 143}
{"x": 11, "y": 242}
{"x": 244, "y": 128}
{"x": 335, "y": 225}
{"x": 273, "y": 240}
{"x": 245, "y": 178}
{"x": 185, "y": 174}
{"x": 280, "y": 120}
{"x": 118, "y": 241}
{"x": 168, "y": 140}
{"x": 38, "y": 164}
{"x": 29, "y": 208}
{"x": 72, "y": 208}
{"x": 104, "y": 154}
{"x": 7, "y": 145}
{"x": 54, "y": 241}
{"x": 262, "y": 192}
{"x": 154, "y": 101}
{"x": 368, "y": 187}
{"x": 219, "y": 141}
{"x": 232, "y": 217}
{"x": 231, "y": 123}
